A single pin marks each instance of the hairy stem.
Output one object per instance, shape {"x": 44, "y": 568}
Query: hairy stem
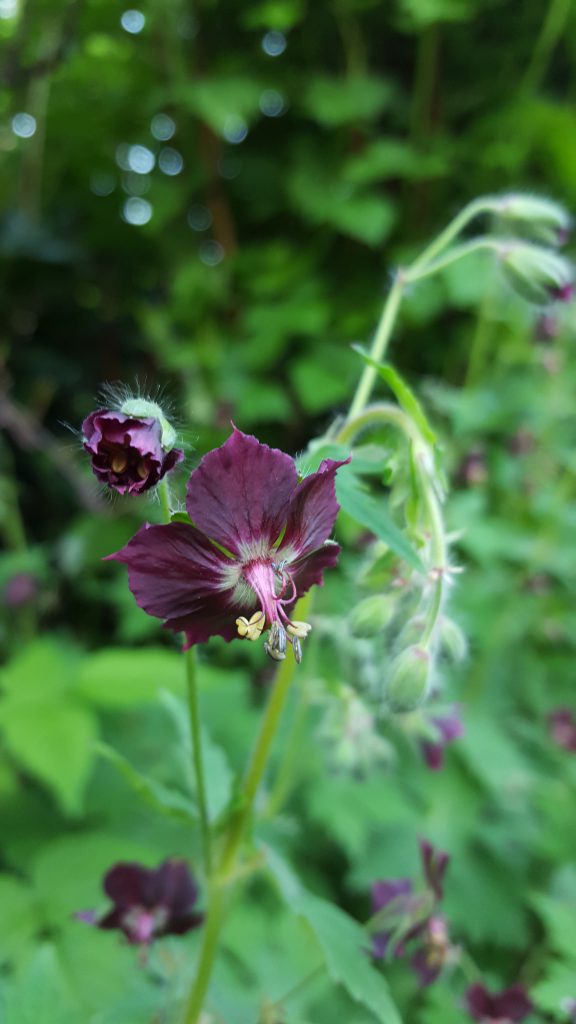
{"x": 379, "y": 346}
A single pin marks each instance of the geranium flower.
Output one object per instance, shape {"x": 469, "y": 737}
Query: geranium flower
{"x": 259, "y": 541}
{"x": 148, "y": 902}
{"x": 127, "y": 451}
{"x": 507, "y": 1007}
{"x": 448, "y": 727}
{"x": 562, "y": 725}
{"x": 411, "y": 917}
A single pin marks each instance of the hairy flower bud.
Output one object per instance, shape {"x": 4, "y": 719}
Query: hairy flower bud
{"x": 535, "y": 218}
{"x": 453, "y": 640}
{"x": 132, "y": 448}
{"x": 538, "y": 275}
{"x": 408, "y": 680}
{"x": 371, "y": 615}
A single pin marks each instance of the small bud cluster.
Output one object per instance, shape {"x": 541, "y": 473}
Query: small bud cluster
{"x": 536, "y": 228}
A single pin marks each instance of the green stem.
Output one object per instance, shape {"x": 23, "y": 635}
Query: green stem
{"x": 261, "y": 751}
{"x": 550, "y": 33}
{"x": 418, "y": 271}
{"x": 225, "y": 872}
{"x": 208, "y": 951}
{"x": 163, "y": 491}
{"x": 379, "y": 346}
{"x": 197, "y": 760}
{"x": 485, "y": 204}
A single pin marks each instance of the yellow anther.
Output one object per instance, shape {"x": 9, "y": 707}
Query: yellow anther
{"x": 299, "y": 629}
{"x": 118, "y": 463}
{"x": 251, "y": 628}
{"x": 143, "y": 468}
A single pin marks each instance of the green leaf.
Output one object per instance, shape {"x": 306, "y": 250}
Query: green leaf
{"x": 555, "y": 991}
{"x": 358, "y": 503}
{"x": 168, "y": 801}
{"x": 42, "y": 668}
{"x": 21, "y": 919}
{"x": 403, "y": 393}
{"x": 337, "y": 101}
{"x": 41, "y": 993}
{"x": 344, "y": 944}
{"x": 118, "y": 677}
{"x": 53, "y": 741}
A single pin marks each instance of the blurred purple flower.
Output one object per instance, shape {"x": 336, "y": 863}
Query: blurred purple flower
{"x": 126, "y": 451}
{"x": 410, "y": 916}
{"x": 259, "y": 541}
{"x": 20, "y": 590}
{"x": 148, "y": 902}
{"x": 562, "y": 725}
{"x": 448, "y": 728}
{"x": 507, "y": 1007}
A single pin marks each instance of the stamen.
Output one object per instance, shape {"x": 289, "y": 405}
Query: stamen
{"x": 299, "y": 629}
{"x": 118, "y": 463}
{"x": 277, "y": 639}
{"x": 143, "y": 469}
{"x": 274, "y": 653}
{"x": 251, "y": 628}
{"x": 296, "y": 647}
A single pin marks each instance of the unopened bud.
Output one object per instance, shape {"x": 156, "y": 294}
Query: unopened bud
{"x": 371, "y": 615}
{"x": 453, "y": 640}
{"x": 538, "y": 275}
{"x": 408, "y": 679}
{"x": 143, "y": 408}
{"x": 537, "y": 219}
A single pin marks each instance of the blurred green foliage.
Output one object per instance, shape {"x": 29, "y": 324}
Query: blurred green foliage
{"x": 212, "y": 205}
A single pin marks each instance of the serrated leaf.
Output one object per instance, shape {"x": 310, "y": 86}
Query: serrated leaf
{"x": 168, "y": 801}
{"x": 41, "y": 993}
{"x": 344, "y": 944}
{"x": 406, "y": 397}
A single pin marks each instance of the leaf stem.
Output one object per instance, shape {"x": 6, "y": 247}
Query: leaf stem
{"x": 417, "y": 272}
{"x": 163, "y": 491}
{"x": 379, "y": 346}
{"x": 197, "y": 760}
{"x": 485, "y": 204}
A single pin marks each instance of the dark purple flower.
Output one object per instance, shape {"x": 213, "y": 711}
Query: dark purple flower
{"x": 410, "y": 917}
{"x": 148, "y": 902}
{"x": 259, "y": 541}
{"x": 448, "y": 728}
{"x": 562, "y": 293}
{"x": 126, "y": 451}
{"x": 507, "y": 1007}
{"x": 562, "y": 726}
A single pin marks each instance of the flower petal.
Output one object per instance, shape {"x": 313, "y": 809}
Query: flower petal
{"x": 124, "y": 884}
{"x": 172, "y": 885}
{"x": 176, "y": 574}
{"x": 239, "y": 494}
{"x": 434, "y": 863}
{"x": 313, "y": 510}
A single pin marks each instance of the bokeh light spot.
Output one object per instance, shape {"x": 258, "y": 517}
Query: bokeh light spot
{"x": 133, "y": 22}
{"x": 274, "y": 43}
{"x": 162, "y": 127}
{"x": 140, "y": 159}
{"x": 170, "y": 161}
{"x": 137, "y": 211}
{"x": 24, "y": 125}
{"x": 211, "y": 253}
{"x": 272, "y": 103}
{"x": 199, "y": 217}
{"x": 235, "y": 129}
{"x": 102, "y": 184}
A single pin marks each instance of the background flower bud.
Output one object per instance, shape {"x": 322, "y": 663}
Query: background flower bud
{"x": 538, "y": 275}
{"x": 408, "y": 680}
{"x": 535, "y": 218}
{"x": 453, "y": 640}
{"x": 371, "y": 615}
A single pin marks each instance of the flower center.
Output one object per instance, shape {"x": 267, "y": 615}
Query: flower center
{"x": 275, "y": 589}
